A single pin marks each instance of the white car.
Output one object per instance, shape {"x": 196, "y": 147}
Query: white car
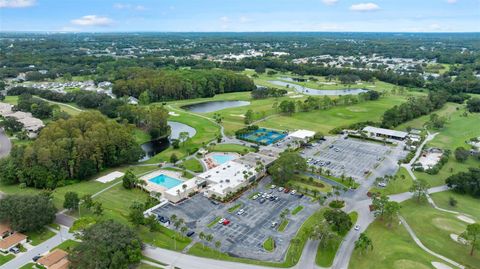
{"x": 221, "y": 220}
{"x": 240, "y": 212}
{"x": 357, "y": 227}
{"x": 293, "y": 192}
{"x": 280, "y": 188}
{"x": 382, "y": 184}
{"x": 264, "y": 195}
{"x": 273, "y": 187}
{"x": 255, "y": 197}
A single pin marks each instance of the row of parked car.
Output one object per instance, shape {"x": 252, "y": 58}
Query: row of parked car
{"x": 318, "y": 162}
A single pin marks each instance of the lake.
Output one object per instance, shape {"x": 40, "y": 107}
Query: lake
{"x": 213, "y": 106}
{"x": 310, "y": 91}
{"x": 154, "y": 147}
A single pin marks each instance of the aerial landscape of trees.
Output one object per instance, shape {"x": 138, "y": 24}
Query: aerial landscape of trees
{"x": 70, "y": 149}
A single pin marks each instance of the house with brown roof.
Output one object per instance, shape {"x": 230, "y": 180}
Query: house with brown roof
{"x": 12, "y": 241}
{"x": 5, "y": 230}
{"x": 56, "y": 259}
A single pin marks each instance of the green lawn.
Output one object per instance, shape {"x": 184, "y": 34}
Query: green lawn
{"x": 213, "y": 222}
{"x": 283, "y": 225}
{"x": 67, "y": 245}
{"x": 206, "y": 132}
{"x": 193, "y": 165}
{"x": 396, "y": 186}
{"x": 6, "y": 258}
{"x": 269, "y": 244}
{"x": 326, "y": 255}
{"x": 420, "y": 122}
{"x": 38, "y": 237}
{"x": 296, "y": 210}
{"x": 166, "y": 238}
{"x": 141, "y": 136}
{"x": 14, "y": 100}
{"x": 465, "y": 203}
{"x": 31, "y": 266}
{"x": 392, "y": 249}
{"x": 434, "y": 227}
{"x": 230, "y": 148}
{"x": 235, "y": 207}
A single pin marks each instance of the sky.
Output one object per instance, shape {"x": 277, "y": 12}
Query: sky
{"x": 240, "y": 15}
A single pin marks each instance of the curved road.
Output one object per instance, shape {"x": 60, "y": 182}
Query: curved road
{"x": 5, "y": 144}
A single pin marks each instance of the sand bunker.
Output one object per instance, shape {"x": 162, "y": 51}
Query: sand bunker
{"x": 296, "y": 96}
{"x": 238, "y": 115}
{"x": 457, "y": 239}
{"x": 440, "y": 265}
{"x": 171, "y": 113}
{"x": 465, "y": 219}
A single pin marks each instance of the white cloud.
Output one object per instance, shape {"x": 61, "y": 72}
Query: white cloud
{"x": 17, "y": 3}
{"x": 452, "y": 1}
{"x": 93, "y": 20}
{"x": 364, "y": 7}
{"x": 129, "y": 6}
{"x": 244, "y": 19}
{"x": 329, "y": 2}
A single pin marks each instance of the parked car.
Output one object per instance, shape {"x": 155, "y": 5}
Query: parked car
{"x": 240, "y": 212}
{"x": 221, "y": 220}
{"x": 214, "y": 202}
{"x": 255, "y": 197}
{"x": 190, "y": 234}
{"x": 226, "y": 222}
{"x": 357, "y": 227}
{"x": 274, "y": 224}
{"x": 293, "y": 192}
{"x": 280, "y": 189}
{"x": 382, "y": 184}
{"x": 36, "y": 258}
{"x": 14, "y": 250}
{"x": 286, "y": 190}
{"x": 262, "y": 200}
{"x": 273, "y": 187}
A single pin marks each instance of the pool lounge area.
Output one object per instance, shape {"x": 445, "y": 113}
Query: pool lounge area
{"x": 215, "y": 159}
{"x": 162, "y": 180}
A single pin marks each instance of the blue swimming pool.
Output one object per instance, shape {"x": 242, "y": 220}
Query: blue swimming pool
{"x": 222, "y": 158}
{"x": 166, "y": 181}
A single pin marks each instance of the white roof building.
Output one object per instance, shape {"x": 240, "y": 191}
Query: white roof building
{"x": 227, "y": 178}
{"x": 385, "y": 132}
{"x": 302, "y": 134}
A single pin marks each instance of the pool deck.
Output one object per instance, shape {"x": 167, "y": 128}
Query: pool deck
{"x": 209, "y": 162}
{"x": 158, "y": 188}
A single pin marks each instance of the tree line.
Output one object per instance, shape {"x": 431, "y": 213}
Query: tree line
{"x": 164, "y": 84}
{"x": 72, "y": 149}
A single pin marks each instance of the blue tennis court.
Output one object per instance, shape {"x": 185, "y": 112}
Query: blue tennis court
{"x": 263, "y": 136}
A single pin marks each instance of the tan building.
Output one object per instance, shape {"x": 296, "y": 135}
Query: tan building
{"x": 56, "y": 259}
{"x": 12, "y": 241}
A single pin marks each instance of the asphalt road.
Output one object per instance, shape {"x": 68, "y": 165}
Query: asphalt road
{"x": 5, "y": 144}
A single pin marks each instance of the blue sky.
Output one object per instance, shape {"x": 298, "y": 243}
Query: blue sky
{"x": 241, "y": 15}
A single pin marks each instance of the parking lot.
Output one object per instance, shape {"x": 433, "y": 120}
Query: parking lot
{"x": 245, "y": 234}
{"x": 353, "y": 157}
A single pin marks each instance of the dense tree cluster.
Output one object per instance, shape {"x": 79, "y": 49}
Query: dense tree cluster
{"x": 466, "y": 182}
{"x": 473, "y": 105}
{"x": 152, "y": 119}
{"x": 261, "y": 92}
{"x": 413, "y": 108}
{"x": 166, "y": 84}
{"x": 285, "y": 167}
{"x": 27, "y": 212}
{"x": 38, "y": 108}
{"x": 70, "y": 149}
{"x": 109, "y": 245}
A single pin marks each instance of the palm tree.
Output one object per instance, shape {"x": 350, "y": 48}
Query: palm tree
{"x": 184, "y": 187}
{"x": 363, "y": 243}
{"x": 184, "y": 229}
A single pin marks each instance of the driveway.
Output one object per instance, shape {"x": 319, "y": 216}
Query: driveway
{"x": 5, "y": 144}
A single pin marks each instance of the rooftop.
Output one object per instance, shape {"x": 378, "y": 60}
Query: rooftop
{"x": 52, "y": 257}
{"x": 383, "y": 131}
{"x": 12, "y": 240}
{"x": 302, "y": 134}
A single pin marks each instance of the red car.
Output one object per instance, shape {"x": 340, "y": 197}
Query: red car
{"x": 286, "y": 190}
{"x": 226, "y": 222}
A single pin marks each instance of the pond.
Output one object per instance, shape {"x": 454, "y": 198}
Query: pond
{"x": 154, "y": 147}
{"x": 310, "y": 91}
{"x": 213, "y": 106}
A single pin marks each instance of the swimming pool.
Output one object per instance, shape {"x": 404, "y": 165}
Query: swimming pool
{"x": 222, "y": 158}
{"x": 166, "y": 181}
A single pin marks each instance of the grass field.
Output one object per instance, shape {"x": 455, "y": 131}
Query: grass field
{"x": 67, "y": 245}
{"x": 38, "y": 237}
{"x": 269, "y": 244}
{"x": 63, "y": 107}
{"x": 392, "y": 249}
{"x": 465, "y": 203}
{"x": 326, "y": 255}
{"x": 193, "y": 165}
{"x": 230, "y": 148}
{"x": 283, "y": 225}
{"x": 296, "y": 210}
{"x": 6, "y": 258}
{"x": 396, "y": 186}
{"x": 434, "y": 227}
{"x": 457, "y": 130}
